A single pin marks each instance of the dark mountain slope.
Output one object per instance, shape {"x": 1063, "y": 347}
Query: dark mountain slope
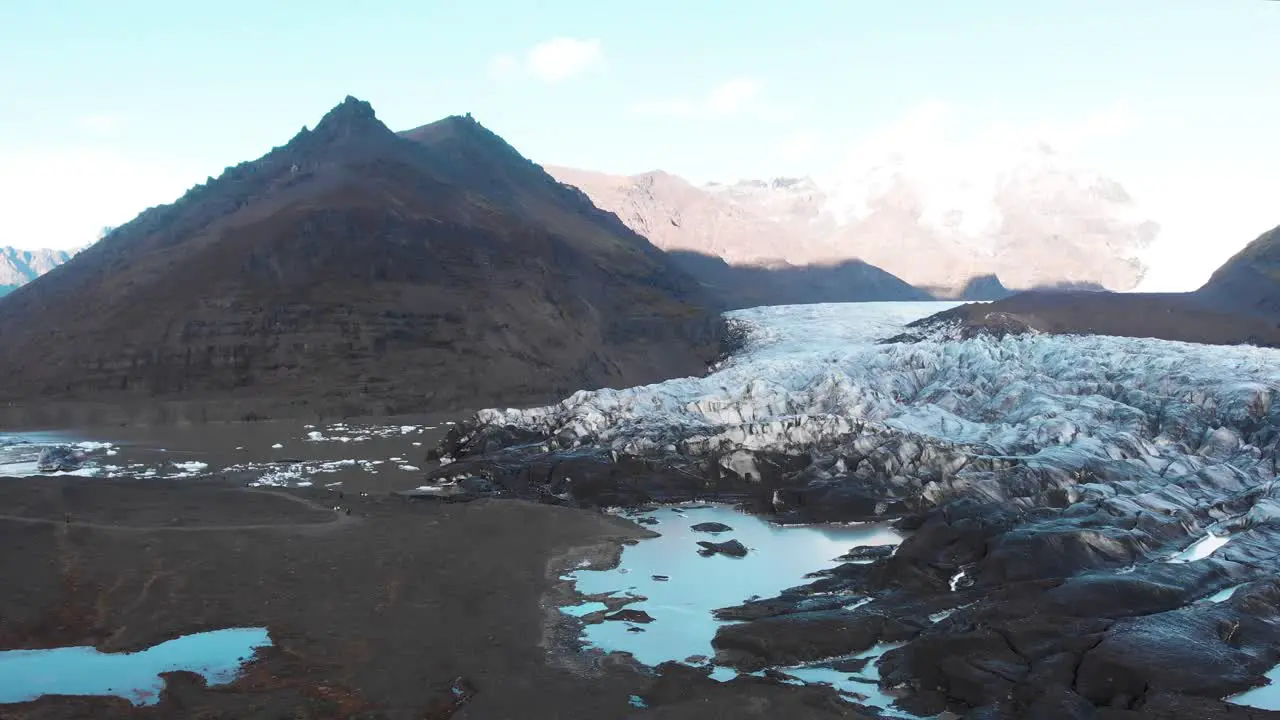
{"x": 354, "y": 271}
{"x": 743, "y": 286}
{"x": 1250, "y": 281}
{"x": 1239, "y": 305}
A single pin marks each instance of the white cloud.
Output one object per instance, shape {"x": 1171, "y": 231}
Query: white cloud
{"x": 734, "y": 97}
{"x": 1079, "y": 135}
{"x": 1204, "y": 220}
{"x": 800, "y": 146}
{"x": 730, "y": 98}
{"x": 62, "y": 197}
{"x": 504, "y": 66}
{"x": 101, "y": 124}
{"x": 552, "y": 61}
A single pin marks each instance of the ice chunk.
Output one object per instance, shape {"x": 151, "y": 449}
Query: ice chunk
{"x": 1201, "y": 549}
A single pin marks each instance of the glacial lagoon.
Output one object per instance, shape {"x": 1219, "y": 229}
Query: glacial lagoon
{"x": 681, "y": 588}
{"x": 218, "y": 656}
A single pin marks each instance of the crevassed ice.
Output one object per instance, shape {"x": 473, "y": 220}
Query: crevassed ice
{"x": 813, "y": 371}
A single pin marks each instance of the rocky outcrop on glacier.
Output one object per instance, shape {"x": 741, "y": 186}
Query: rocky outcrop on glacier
{"x": 1092, "y": 522}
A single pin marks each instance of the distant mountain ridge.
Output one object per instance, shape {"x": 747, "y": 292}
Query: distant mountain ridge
{"x": 1036, "y": 222}
{"x": 19, "y": 267}
{"x": 742, "y": 256}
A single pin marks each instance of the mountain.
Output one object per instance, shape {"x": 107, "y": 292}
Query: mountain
{"x": 742, "y": 256}
{"x": 1030, "y": 219}
{"x": 19, "y": 267}
{"x": 1250, "y": 281}
{"x": 1239, "y": 305}
{"x": 354, "y": 271}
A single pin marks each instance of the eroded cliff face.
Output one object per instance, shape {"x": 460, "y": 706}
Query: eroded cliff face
{"x": 353, "y": 270}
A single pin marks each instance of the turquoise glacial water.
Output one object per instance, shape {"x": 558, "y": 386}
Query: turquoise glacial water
{"x": 218, "y": 656}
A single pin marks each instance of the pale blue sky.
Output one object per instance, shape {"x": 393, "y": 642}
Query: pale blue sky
{"x": 109, "y": 107}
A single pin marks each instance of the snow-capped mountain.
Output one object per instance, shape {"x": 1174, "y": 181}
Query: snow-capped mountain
{"x": 19, "y": 267}
{"x": 748, "y": 245}
{"x": 1024, "y": 214}
{"x": 784, "y": 199}
{"x": 740, "y": 227}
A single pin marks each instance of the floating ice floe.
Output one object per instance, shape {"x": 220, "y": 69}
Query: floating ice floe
{"x": 189, "y": 468}
{"x": 297, "y": 474}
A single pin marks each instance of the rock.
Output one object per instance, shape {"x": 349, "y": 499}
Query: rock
{"x": 868, "y": 552}
{"x": 711, "y": 527}
{"x": 60, "y": 458}
{"x": 732, "y": 548}
{"x": 795, "y": 639}
{"x": 851, "y": 665}
{"x": 629, "y": 615}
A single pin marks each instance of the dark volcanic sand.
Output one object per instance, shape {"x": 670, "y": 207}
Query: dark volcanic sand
{"x": 1169, "y": 316}
{"x": 375, "y": 612}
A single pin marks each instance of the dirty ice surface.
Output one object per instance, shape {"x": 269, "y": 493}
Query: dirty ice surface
{"x": 218, "y": 656}
{"x": 681, "y": 588}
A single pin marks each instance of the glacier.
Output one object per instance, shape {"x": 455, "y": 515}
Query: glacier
{"x": 1087, "y": 520}
{"x": 814, "y": 373}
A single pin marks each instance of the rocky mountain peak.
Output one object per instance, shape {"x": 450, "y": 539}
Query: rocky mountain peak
{"x": 347, "y": 117}
{"x": 351, "y": 122}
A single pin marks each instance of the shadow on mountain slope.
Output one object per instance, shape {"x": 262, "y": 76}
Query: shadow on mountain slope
{"x": 742, "y": 286}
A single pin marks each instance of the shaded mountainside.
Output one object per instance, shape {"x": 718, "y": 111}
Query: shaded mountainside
{"x": 1168, "y": 316}
{"x": 19, "y": 267}
{"x": 778, "y": 283}
{"x": 1250, "y": 281}
{"x": 354, "y": 271}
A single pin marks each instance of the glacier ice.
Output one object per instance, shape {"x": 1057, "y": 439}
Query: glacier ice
{"x": 816, "y": 373}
